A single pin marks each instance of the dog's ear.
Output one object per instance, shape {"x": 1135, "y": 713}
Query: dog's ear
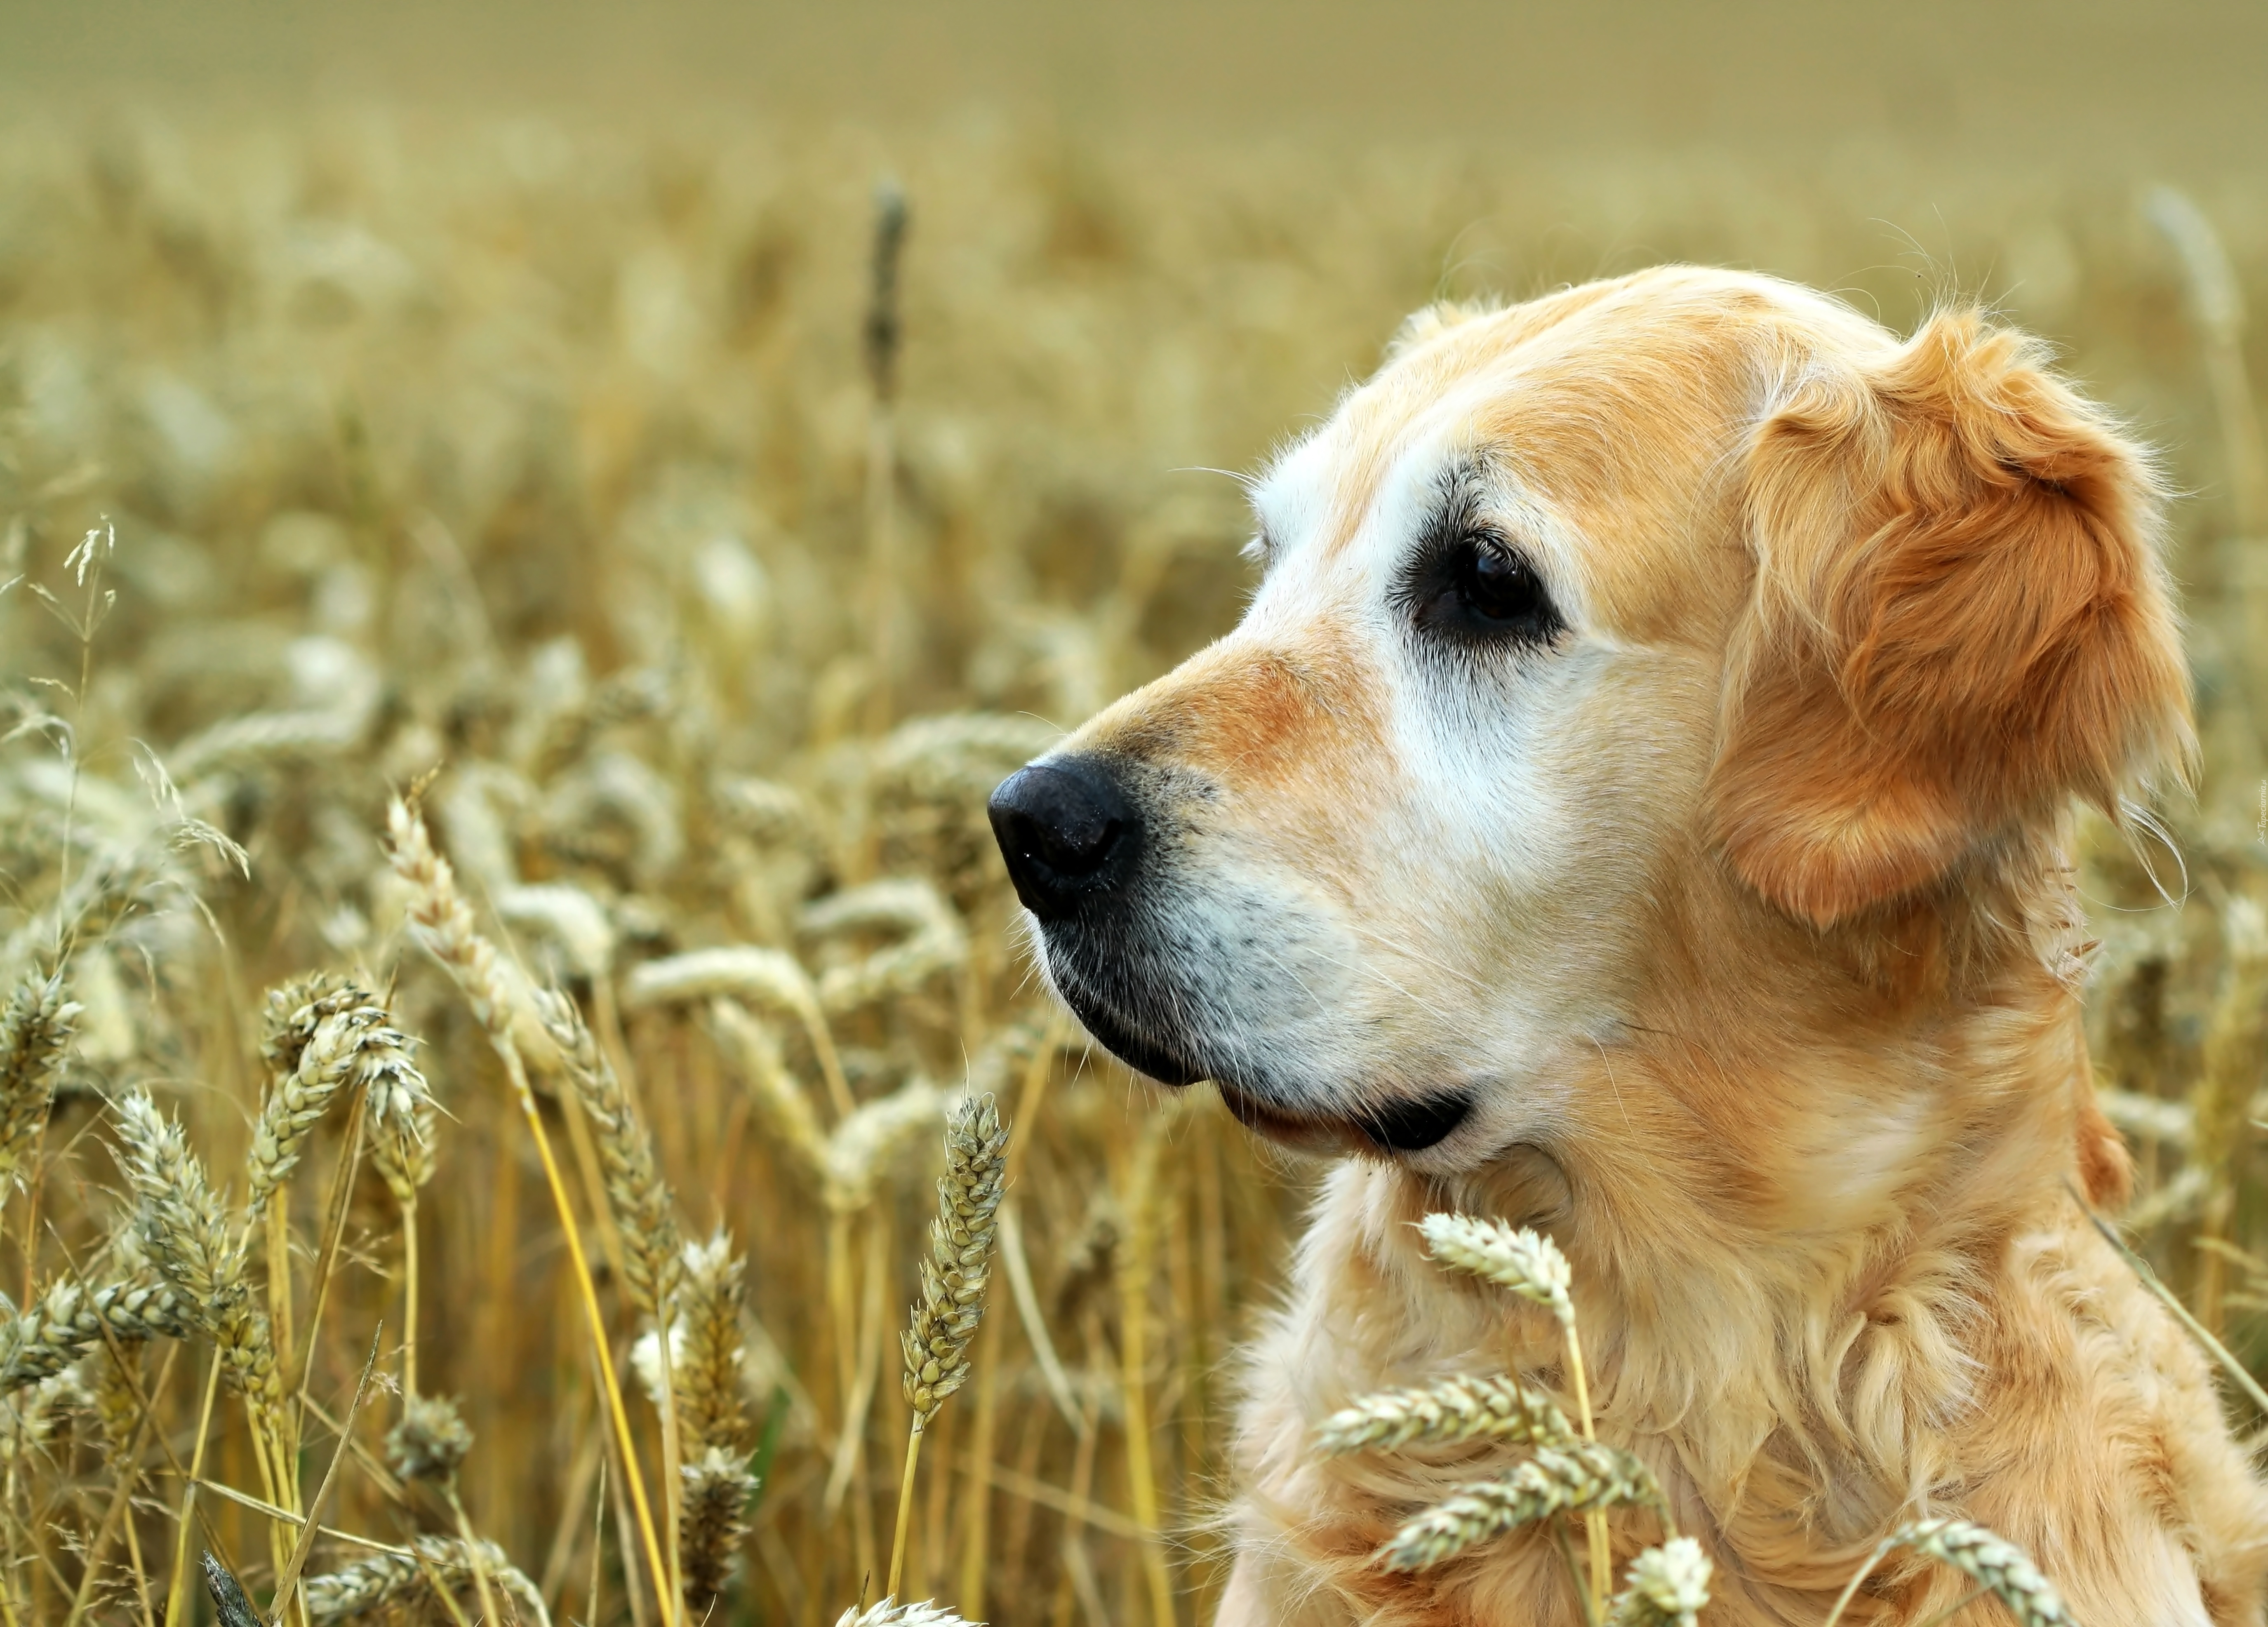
{"x": 1959, "y": 621}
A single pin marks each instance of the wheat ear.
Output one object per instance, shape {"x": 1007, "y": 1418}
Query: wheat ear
{"x": 952, "y": 1280}
{"x": 35, "y": 1030}
{"x": 1668, "y": 1586}
{"x": 396, "y": 1580}
{"x": 1531, "y": 1266}
{"x": 890, "y": 1612}
{"x": 1992, "y": 1562}
{"x": 441, "y": 921}
{"x": 716, "y": 1483}
{"x": 1452, "y": 1410}
{"x": 1577, "y": 1478}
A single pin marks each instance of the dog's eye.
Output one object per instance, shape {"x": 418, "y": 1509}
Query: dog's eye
{"x": 1484, "y": 589}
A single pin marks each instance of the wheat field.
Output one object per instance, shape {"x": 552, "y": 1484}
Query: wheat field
{"x": 503, "y": 663}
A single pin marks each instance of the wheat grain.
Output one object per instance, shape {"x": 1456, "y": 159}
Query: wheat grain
{"x": 325, "y": 1034}
{"x": 35, "y": 1032}
{"x": 67, "y": 1321}
{"x": 182, "y": 1229}
{"x": 442, "y": 922}
{"x": 644, "y": 1210}
{"x": 1574, "y": 1478}
{"x": 429, "y": 1441}
{"x": 708, "y": 1358}
{"x": 954, "y": 1275}
{"x": 392, "y": 1580}
{"x": 863, "y": 1144}
{"x": 934, "y": 940}
{"x": 179, "y": 1221}
{"x": 741, "y": 971}
{"x": 1669, "y": 1587}
{"x": 1451, "y": 1409}
{"x": 890, "y": 1613}
{"x": 1992, "y": 1562}
{"x": 784, "y": 1104}
{"x": 1519, "y": 1259}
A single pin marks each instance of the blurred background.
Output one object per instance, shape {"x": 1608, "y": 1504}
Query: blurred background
{"x": 699, "y": 450}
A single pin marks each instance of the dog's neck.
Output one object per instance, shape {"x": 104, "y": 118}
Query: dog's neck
{"x": 1794, "y": 1180}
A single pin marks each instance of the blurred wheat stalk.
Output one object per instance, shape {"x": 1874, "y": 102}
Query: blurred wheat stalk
{"x": 493, "y": 829}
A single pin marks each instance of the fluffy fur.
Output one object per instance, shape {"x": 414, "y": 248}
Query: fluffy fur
{"x": 1741, "y": 914}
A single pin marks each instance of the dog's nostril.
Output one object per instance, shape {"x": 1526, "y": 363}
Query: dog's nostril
{"x": 1065, "y": 830}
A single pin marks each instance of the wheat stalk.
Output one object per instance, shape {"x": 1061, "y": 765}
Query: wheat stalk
{"x": 1531, "y": 1266}
{"x": 1579, "y": 1477}
{"x": 441, "y": 921}
{"x": 1451, "y": 1409}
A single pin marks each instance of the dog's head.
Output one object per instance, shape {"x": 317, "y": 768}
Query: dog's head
{"x": 1601, "y": 638}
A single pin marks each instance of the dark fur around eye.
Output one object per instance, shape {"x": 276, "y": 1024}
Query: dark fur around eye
{"x": 1469, "y": 585}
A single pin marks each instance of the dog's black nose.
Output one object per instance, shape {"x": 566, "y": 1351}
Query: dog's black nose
{"x": 1066, "y": 830}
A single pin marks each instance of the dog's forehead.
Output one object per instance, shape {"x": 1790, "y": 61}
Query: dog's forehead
{"x": 1613, "y": 412}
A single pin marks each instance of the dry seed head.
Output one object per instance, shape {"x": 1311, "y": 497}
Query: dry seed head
{"x": 890, "y": 1612}
{"x": 430, "y": 1440}
{"x": 935, "y": 940}
{"x": 1452, "y": 1410}
{"x": 644, "y": 1210}
{"x": 1574, "y": 1478}
{"x": 717, "y": 1487}
{"x": 864, "y": 1143}
{"x": 709, "y": 1355}
{"x": 785, "y": 1103}
{"x": 441, "y": 921}
{"x": 67, "y": 1321}
{"x": 182, "y": 1230}
{"x": 35, "y": 1030}
{"x": 110, "y": 1384}
{"x": 960, "y": 1255}
{"x": 771, "y": 978}
{"x": 324, "y": 1035}
{"x": 1668, "y": 1586}
{"x": 1520, "y": 1259}
{"x": 177, "y": 1219}
{"x": 396, "y": 1580}
{"x": 1992, "y": 1562}
{"x": 401, "y": 1150}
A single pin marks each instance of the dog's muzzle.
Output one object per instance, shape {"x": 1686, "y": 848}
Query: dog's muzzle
{"x": 1076, "y": 845}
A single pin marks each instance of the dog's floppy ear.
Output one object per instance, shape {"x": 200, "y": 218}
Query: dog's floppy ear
{"x": 1959, "y": 621}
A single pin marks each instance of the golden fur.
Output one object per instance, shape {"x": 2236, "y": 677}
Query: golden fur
{"x": 1874, "y": 613}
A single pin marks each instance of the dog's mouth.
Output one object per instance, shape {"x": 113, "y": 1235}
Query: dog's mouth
{"x": 1398, "y": 1127}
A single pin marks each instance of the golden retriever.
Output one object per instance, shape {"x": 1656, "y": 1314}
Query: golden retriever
{"x": 1637, "y": 804}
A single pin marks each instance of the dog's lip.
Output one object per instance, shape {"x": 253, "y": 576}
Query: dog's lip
{"x": 1143, "y": 1054}
{"x": 1393, "y": 1132}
